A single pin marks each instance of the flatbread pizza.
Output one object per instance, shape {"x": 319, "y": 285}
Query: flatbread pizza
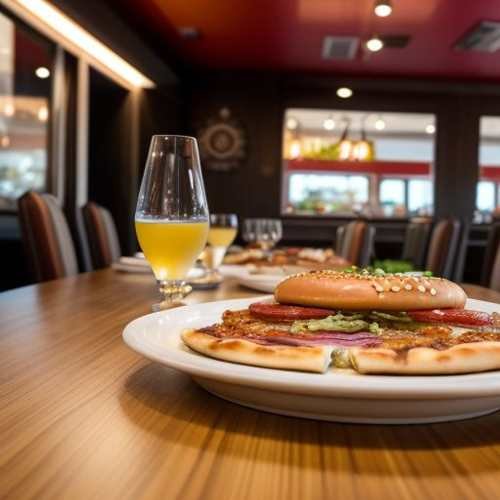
{"x": 368, "y": 322}
{"x": 305, "y": 258}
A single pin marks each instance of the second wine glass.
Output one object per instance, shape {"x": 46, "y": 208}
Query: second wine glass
{"x": 222, "y": 232}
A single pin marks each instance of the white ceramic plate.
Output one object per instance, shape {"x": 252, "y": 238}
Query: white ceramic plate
{"x": 338, "y": 395}
{"x": 245, "y": 277}
{"x": 260, "y": 282}
{"x": 138, "y": 264}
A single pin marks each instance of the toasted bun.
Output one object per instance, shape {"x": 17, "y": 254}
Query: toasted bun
{"x": 361, "y": 291}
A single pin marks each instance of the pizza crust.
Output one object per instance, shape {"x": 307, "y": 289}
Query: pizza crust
{"x": 461, "y": 358}
{"x": 310, "y": 359}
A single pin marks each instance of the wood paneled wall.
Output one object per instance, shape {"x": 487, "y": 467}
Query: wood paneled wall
{"x": 254, "y": 188}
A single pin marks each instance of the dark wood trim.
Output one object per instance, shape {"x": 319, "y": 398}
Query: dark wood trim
{"x": 132, "y": 181}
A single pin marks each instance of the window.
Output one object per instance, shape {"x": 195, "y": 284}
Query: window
{"x": 346, "y": 162}
{"x": 420, "y": 196}
{"x": 25, "y": 87}
{"x": 488, "y": 186}
{"x": 392, "y": 196}
{"x": 320, "y": 193}
{"x": 485, "y": 196}
{"x": 392, "y": 191}
{"x": 406, "y": 196}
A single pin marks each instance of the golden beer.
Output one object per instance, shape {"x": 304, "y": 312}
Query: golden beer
{"x": 171, "y": 247}
{"x": 221, "y": 236}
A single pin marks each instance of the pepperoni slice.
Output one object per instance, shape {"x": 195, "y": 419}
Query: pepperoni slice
{"x": 459, "y": 317}
{"x": 281, "y": 312}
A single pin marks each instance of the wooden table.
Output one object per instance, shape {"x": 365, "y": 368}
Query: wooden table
{"x": 82, "y": 416}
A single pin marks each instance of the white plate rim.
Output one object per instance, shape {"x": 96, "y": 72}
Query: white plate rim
{"x": 345, "y": 385}
{"x": 259, "y": 282}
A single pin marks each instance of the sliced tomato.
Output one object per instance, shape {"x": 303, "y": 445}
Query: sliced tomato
{"x": 459, "y": 317}
{"x": 281, "y": 312}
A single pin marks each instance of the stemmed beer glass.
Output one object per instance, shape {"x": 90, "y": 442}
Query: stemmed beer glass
{"x": 171, "y": 219}
{"x": 222, "y": 232}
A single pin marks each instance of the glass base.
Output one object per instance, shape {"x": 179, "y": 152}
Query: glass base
{"x": 172, "y": 293}
{"x": 166, "y": 304}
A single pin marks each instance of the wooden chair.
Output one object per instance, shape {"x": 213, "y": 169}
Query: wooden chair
{"x": 355, "y": 242}
{"x": 491, "y": 254}
{"x": 46, "y": 237}
{"x": 443, "y": 248}
{"x": 339, "y": 239}
{"x": 416, "y": 240}
{"x": 461, "y": 252}
{"x": 101, "y": 235}
{"x": 367, "y": 249}
{"x": 495, "y": 273}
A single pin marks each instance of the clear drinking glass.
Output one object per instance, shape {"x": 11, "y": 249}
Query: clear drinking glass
{"x": 268, "y": 232}
{"x": 171, "y": 219}
{"x": 222, "y": 232}
{"x": 275, "y": 231}
{"x": 262, "y": 236}
{"x": 249, "y": 232}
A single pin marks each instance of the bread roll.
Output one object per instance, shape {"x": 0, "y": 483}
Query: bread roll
{"x": 364, "y": 291}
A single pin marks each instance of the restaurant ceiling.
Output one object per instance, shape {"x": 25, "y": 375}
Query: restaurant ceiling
{"x": 287, "y": 35}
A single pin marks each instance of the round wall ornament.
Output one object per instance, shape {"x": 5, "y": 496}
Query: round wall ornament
{"x": 222, "y": 142}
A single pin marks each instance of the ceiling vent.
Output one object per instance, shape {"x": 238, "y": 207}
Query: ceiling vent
{"x": 484, "y": 37}
{"x": 340, "y": 47}
{"x": 395, "y": 41}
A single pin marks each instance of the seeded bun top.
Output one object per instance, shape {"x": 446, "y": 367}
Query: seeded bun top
{"x": 365, "y": 291}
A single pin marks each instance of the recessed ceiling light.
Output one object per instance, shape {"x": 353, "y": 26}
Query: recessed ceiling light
{"x": 374, "y": 44}
{"x": 43, "y": 114}
{"x": 430, "y": 129}
{"x": 292, "y": 123}
{"x": 329, "y": 123}
{"x": 42, "y": 72}
{"x": 344, "y": 92}
{"x": 383, "y": 8}
{"x": 379, "y": 124}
